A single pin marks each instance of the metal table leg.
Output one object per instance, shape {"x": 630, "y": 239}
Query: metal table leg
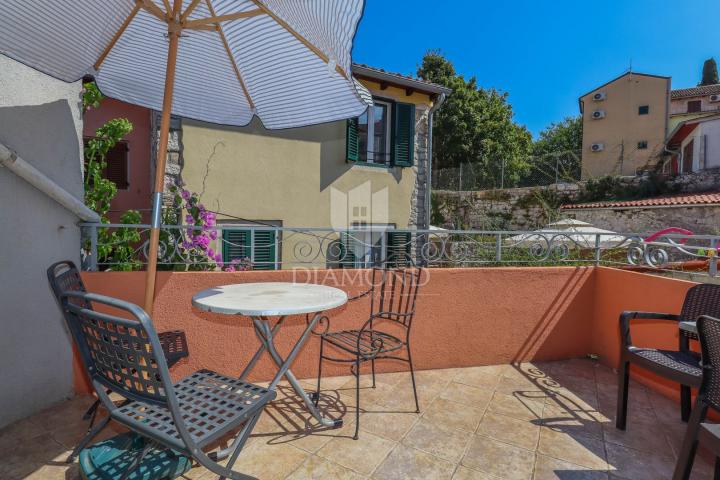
{"x": 265, "y": 334}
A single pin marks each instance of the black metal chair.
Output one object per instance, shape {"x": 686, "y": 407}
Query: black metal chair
{"x": 708, "y": 398}
{"x": 64, "y": 276}
{"x": 681, "y": 366}
{"x": 393, "y": 295}
{"x": 122, "y": 354}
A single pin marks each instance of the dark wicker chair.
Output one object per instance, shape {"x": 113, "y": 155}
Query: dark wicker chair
{"x": 123, "y": 354}
{"x": 708, "y": 398}
{"x": 65, "y": 277}
{"x": 392, "y": 302}
{"x": 681, "y": 366}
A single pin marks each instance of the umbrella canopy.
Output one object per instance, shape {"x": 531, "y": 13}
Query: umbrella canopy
{"x": 222, "y": 61}
{"x": 573, "y": 233}
{"x": 286, "y": 61}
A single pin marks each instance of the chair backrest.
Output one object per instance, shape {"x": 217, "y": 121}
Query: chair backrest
{"x": 395, "y": 293}
{"x": 65, "y": 277}
{"x": 119, "y": 353}
{"x": 703, "y": 299}
{"x": 709, "y": 334}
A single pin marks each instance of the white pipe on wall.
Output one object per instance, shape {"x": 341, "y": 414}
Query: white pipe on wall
{"x": 39, "y": 180}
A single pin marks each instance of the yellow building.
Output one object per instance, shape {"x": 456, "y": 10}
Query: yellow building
{"x": 625, "y": 122}
{"x": 328, "y": 176}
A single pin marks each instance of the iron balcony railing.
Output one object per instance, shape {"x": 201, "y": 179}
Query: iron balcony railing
{"x": 239, "y": 246}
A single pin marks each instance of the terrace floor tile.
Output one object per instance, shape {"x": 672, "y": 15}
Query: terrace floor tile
{"x": 527, "y": 421}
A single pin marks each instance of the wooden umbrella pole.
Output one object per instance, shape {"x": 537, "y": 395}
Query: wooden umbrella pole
{"x": 174, "y": 39}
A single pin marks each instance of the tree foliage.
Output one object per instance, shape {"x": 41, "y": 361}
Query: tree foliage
{"x": 709, "y": 73}
{"x": 559, "y": 147}
{"x": 474, "y": 125}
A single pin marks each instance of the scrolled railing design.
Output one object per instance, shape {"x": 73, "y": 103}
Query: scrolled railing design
{"x": 271, "y": 247}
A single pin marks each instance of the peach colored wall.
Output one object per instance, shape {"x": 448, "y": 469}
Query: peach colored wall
{"x": 619, "y": 290}
{"x": 465, "y": 317}
{"x": 137, "y": 196}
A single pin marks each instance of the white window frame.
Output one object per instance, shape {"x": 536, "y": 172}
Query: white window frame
{"x": 370, "y": 154}
{"x": 368, "y": 235}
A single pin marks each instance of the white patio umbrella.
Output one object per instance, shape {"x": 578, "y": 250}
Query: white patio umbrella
{"x": 571, "y": 232}
{"x": 220, "y": 61}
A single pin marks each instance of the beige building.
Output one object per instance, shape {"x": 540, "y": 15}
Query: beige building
{"x": 368, "y": 171}
{"x": 625, "y": 122}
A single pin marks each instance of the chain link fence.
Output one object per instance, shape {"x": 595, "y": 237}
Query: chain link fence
{"x": 562, "y": 167}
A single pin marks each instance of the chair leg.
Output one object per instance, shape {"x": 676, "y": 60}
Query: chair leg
{"x": 412, "y": 377}
{"x": 240, "y": 441}
{"x": 317, "y": 391}
{"x": 685, "y": 402}
{"x": 622, "y": 399}
{"x": 136, "y": 461}
{"x": 716, "y": 476}
{"x": 357, "y": 397}
{"x": 91, "y": 433}
{"x": 684, "y": 464}
{"x": 372, "y": 363}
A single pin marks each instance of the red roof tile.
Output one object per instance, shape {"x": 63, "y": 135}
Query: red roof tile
{"x": 675, "y": 200}
{"x": 699, "y": 91}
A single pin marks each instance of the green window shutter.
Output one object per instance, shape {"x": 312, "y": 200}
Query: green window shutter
{"x": 403, "y": 133}
{"x": 352, "y": 145}
{"x": 347, "y": 251}
{"x": 398, "y": 248}
{"x": 236, "y": 244}
{"x": 264, "y": 250}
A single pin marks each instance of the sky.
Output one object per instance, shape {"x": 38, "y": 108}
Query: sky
{"x": 543, "y": 53}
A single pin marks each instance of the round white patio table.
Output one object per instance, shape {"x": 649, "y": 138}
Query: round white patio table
{"x": 259, "y": 301}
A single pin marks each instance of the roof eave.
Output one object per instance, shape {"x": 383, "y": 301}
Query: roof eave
{"x": 395, "y": 80}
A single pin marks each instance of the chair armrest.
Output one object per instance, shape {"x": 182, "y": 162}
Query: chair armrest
{"x": 174, "y": 345}
{"x": 627, "y": 316}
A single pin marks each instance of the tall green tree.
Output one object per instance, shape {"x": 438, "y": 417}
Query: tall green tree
{"x": 476, "y": 126}
{"x": 556, "y": 152}
{"x": 709, "y": 73}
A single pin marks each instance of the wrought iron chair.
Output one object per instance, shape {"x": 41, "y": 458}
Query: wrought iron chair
{"x": 122, "y": 354}
{"x": 681, "y": 366}
{"x": 393, "y": 295}
{"x": 64, "y": 276}
{"x": 708, "y": 398}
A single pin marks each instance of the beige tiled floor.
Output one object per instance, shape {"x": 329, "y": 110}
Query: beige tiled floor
{"x": 529, "y": 421}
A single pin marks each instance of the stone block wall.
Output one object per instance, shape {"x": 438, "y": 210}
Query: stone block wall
{"x": 524, "y": 208}
{"x": 699, "y": 219}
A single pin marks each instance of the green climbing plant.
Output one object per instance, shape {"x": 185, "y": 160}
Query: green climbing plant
{"x": 116, "y": 246}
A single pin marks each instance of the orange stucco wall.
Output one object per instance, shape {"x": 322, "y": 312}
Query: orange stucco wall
{"x": 465, "y": 317}
{"x": 476, "y": 316}
{"x": 619, "y": 290}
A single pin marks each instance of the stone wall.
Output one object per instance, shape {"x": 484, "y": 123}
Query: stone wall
{"x": 534, "y": 207}
{"x": 174, "y": 162}
{"x": 699, "y": 219}
{"x": 508, "y": 209}
{"x": 418, "y": 200}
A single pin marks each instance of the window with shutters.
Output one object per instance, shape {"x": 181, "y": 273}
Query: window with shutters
{"x": 258, "y": 245}
{"x": 694, "y": 106}
{"x": 363, "y": 248}
{"x": 382, "y": 136}
{"x": 116, "y": 169}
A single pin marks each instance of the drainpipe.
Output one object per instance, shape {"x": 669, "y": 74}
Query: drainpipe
{"x": 39, "y": 180}
{"x": 428, "y": 194}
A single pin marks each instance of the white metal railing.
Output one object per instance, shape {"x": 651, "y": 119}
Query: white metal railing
{"x": 292, "y": 247}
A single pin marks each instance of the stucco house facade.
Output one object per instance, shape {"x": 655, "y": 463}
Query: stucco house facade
{"x": 625, "y": 123}
{"x": 371, "y": 171}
